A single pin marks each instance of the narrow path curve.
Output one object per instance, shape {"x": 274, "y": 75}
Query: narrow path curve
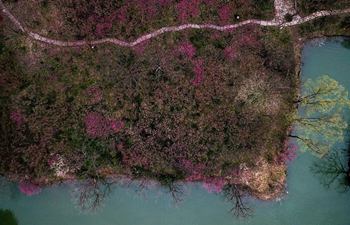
{"x": 282, "y": 8}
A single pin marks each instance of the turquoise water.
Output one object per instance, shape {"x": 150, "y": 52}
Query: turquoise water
{"x": 307, "y": 202}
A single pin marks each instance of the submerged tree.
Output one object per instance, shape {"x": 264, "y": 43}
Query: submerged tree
{"x": 235, "y": 194}
{"x": 320, "y": 122}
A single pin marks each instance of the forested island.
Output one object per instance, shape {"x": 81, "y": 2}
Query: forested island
{"x": 169, "y": 91}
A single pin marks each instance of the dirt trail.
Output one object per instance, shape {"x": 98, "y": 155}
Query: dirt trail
{"x": 282, "y": 8}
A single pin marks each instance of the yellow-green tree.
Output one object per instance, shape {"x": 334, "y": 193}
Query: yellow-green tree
{"x": 320, "y": 122}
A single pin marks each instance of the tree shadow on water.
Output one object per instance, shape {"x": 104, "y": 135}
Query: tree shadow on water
{"x": 91, "y": 194}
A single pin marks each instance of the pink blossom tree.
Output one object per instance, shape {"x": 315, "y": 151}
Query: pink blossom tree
{"x": 103, "y": 28}
{"x": 53, "y": 160}
{"x": 214, "y": 185}
{"x": 28, "y": 188}
{"x": 187, "y": 49}
{"x": 164, "y": 3}
{"x": 17, "y": 117}
{"x": 140, "y": 48}
{"x": 230, "y": 52}
{"x": 97, "y": 125}
{"x": 101, "y": 24}
{"x": 211, "y": 3}
{"x": 187, "y": 9}
{"x": 198, "y": 72}
{"x": 122, "y": 14}
{"x": 194, "y": 171}
{"x": 147, "y": 8}
{"x": 116, "y": 125}
{"x": 288, "y": 154}
{"x": 249, "y": 37}
{"x": 94, "y": 94}
{"x": 225, "y": 14}
{"x": 133, "y": 158}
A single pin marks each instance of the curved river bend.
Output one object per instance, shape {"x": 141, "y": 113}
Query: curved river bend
{"x": 308, "y": 202}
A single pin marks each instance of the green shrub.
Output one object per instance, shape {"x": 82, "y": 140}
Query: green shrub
{"x": 7, "y": 217}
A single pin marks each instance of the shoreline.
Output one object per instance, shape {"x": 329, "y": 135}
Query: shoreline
{"x": 271, "y": 195}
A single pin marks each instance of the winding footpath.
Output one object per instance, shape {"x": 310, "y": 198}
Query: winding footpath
{"x": 282, "y": 8}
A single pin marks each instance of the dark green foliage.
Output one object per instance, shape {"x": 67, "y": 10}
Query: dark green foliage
{"x": 288, "y": 17}
{"x": 199, "y": 39}
{"x": 346, "y": 43}
{"x": 345, "y": 22}
{"x": 263, "y": 4}
{"x": 277, "y": 57}
{"x": 310, "y": 6}
{"x": 7, "y": 217}
{"x": 328, "y": 26}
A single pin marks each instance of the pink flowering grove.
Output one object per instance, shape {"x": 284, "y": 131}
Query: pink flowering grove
{"x": 140, "y": 48}
{"x": 97, "y": 125}
{"x": 196, "y": 173}
{"x": 187, "y": 9}
{"x": 94, "y": 94}
{"x": 187, "y": 49}
{"x": 116, "y": 125}
{"x": 225, "y": 14}
{"x": 214, "y": 185}
{"x": 29, "y": 188}
{"x": 17, "y": 117}
{"x": 288, "y": 154}
{"x": 230, "y": 52}
{"x": 198, "y": 69}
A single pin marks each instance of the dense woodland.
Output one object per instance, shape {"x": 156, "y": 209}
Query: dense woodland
{"x": 197, "y": 105}
{"x": 177, "y": 101}
{"x": 189, "y": 106}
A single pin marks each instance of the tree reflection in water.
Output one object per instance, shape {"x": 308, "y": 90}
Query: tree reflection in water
{"x": 90, "y": 195}
{"x": 334, "y": 169}
{"x": 235, "y": 194}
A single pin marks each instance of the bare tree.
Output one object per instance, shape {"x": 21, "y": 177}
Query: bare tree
{"x": 235, "y": 194}
{"x": 92, "y": 193}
